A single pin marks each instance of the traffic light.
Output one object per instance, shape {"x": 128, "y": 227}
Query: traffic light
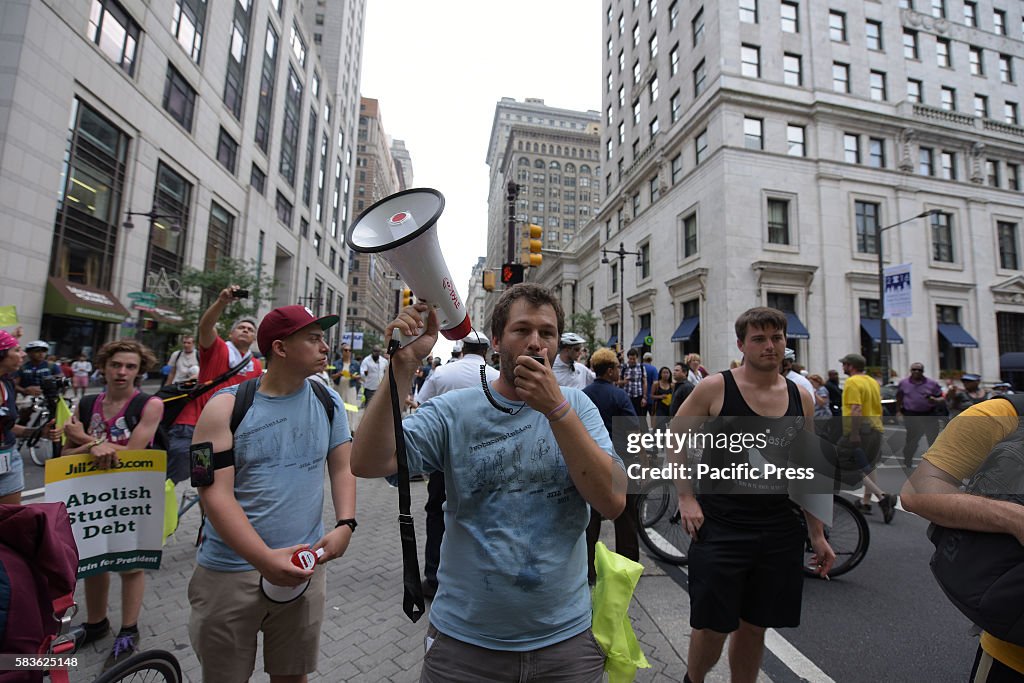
{"x": 407, "y": 297}
{"x": 148, "y": 324}
{"x": 489, "y": 280}
{"x": 511, "y": 273}
{"x": 533, "y": 245}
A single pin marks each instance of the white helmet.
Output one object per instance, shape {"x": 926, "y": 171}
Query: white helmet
{"x": 37, "y": 345}
{"x": 790, "y": 354}
{"x": 571, "y": 339}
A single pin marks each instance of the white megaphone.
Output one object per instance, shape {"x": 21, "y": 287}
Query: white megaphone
{"x": 402, "y": 229}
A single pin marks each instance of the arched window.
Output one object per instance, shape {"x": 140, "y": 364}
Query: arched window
{"x": 523, "y": 161}
{"x": 555, "y": 165}
{"x": 584, "y": 170}
{"x": 538, "y": 163}
{"x": 536, "y": 147}
{"x": 559, "y": 152}
{"x": 570, "y": 168}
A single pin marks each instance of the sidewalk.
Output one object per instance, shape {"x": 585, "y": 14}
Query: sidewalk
{"x": 366, "y": 636}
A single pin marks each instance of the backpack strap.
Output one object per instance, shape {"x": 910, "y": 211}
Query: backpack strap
{"x": 1018, "y": 402}
{"x": 326, "y": 401}
{"x": 133, "y": 413}
{"x": 85, "y": 407}
{"x": 244, "y": 397}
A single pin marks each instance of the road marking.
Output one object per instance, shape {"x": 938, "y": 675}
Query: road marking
{"x": 794, "y": 659}
{"x": 32, "y": 493}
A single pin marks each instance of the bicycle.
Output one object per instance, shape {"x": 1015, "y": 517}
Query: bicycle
{"x": 39, "y": 449}
{"x": 661, "y": 530}
{"x": 150, "y": 666}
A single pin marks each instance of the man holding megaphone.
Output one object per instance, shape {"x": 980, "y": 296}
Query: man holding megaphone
{"x": 522, "y": 459}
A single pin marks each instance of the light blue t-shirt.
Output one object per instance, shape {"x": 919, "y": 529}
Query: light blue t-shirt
{"x": 513, "y": 572}
{"x": 281, "y": 448}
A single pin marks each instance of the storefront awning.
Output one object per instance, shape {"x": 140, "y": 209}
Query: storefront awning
{"x": 641, "y": 336}
{"x": 874, "y": 330}
{"x": 794, "y": 328}
{"x": 162, "y": 315}
{"x": 81, "y": 301}
{"x": 957, "y": 336}
{"x": 613, "y": 340}
{"x": 686, "y": 329}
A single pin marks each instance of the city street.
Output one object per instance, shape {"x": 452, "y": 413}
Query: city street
{"x": 885, "y": 620}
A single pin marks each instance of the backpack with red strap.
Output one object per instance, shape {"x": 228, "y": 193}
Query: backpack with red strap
{"x": 38, "y": 569}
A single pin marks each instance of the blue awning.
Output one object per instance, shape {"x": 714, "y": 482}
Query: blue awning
{"x": 794, "y": 328}
{"x": 1012, "y": 361}
{"x": 957, "y": 336}
{"x": 874, "y": 330}
{"x": 613, "y": 340}
{"x": 638, "y": 341}
{"x": 686, "y": 329}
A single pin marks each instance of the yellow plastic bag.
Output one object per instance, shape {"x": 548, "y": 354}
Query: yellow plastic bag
{"x": 170, "y": 509}
{"x": 616, "y": 579}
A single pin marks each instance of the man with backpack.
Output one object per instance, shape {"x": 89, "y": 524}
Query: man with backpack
{"x": 217, "y": 359}
{"x": 934, "y": 492}
{"x": 120, "y": 417}
{"x": 267, "y": 441}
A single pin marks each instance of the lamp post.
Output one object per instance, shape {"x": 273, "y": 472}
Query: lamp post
{"x": 621, "y": 253}
{"x": 153, "y": 215}
{"x": 883, "y": 340}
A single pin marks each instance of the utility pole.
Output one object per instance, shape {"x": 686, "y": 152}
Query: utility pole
{"x": 512, "y": 195}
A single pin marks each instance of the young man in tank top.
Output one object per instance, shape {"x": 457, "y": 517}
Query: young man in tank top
{"x": 745, "y": 568}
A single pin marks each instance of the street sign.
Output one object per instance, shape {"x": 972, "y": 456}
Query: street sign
{"x": 142, "y": 298}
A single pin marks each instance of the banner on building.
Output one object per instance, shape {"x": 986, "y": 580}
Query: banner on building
{"x": 353, "y": 339}
{"x": 897, "y": 291}
{"x": 117, "y": 515}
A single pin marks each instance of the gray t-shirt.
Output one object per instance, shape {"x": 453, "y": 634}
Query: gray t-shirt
{"x": 513, "y": 572}
{"x": 281, "y": 448}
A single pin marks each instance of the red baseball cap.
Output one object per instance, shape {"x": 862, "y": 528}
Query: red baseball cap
{"x": 285, "y": 321}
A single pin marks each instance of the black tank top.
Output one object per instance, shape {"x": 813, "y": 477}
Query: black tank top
{"x": 746, "y": 501}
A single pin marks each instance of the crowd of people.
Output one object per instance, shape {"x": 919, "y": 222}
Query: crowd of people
{"x": 519, "y": 435}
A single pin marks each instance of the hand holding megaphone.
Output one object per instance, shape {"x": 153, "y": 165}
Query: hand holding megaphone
{"x": 278, "y": 568}
{"x": 415, "y": 328}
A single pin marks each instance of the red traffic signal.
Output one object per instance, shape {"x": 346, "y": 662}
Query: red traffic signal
{"x": 511, "y": 273}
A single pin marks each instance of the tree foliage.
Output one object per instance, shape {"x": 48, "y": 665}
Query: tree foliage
{"x": 584, "y": 324}
{"x": 200, "y": 287}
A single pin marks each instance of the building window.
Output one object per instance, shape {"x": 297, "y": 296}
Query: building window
{"x": 752, "y": 133}
{"x": 1013, "y": 176}
{"x": 944, "y": 52}
{"x": 653, "y": 85}
{"x": 238, "y": 56}
{"x": 876, "y": 152}
{"x": 268, "y": 78}
{"x": 873, "y": 33}
{"x": 790, "y": 17}
{"x": 1008, "y": 259}
{"x": 636, "y": 72}
{"x": 748, "y": 11}
{"x": 179, "y": 98}
{"x": 697, "y": 27}
{"x": 1006, "y": 68}
{"x": 258, "y": 179}
{"x": 701, "y": 146}
{"x": 673, "y": 61}
{"x": 304, "y": 232}
{"x": 219, "y": 237}
{"x": 677, "y": 168}
{"x": 795, "y": 140}
{"x": 307, "y": 181}
{"x": 751, "y": 61}
{"x": 948, "y": 98}
{"x": 939, "y": 9}
{"x": 290, "y": 127}
{"x": 992, "y": 172}
{"x": 1011, "y": 113}
{"x": 115, "y": 32}
{"x": 676, "y": 107}
{"x": 652, "y": 47}
{"x": 866, "y": 215}
{"x": 970, "y": 13}
{"x": 700, "y": 74}
{"x": 778, "y": 221}
{"x": 645, "y": 260}
{"x": 914, "y": 90}
{"x": 673, "y": 20}
{"x": 636, "y": 34}
{"x": 188, "y": 20}
{"x": 792, "y": 71}
{"x": 948, "y": 162}
{"x": 615, "y": 278}
{"x": 284, "y": 210}
{"x": 837, "y": 26}
{"x": 925, "y": 157}
{"x": 690, "y": 235}
{"x": 298, "y": 46}
{"x": 654, "y": 127}
{"x": 942, "y": 237}
{"x": 999, "y": 22}
{"x": 950, "y": 357}
{"x": 878, "y": 90}
{"x": 227, "y": 151}
{"x": 910, "y": 50}
{"x": 981, "y": 106}
{"x": 173, "y": 196}
{"x": 840, "y": 77}
{"x": 976, "y": 58}
{"x": 851, "y": 148}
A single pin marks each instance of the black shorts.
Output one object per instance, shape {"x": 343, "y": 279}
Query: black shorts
{"x": 751, "y": 574}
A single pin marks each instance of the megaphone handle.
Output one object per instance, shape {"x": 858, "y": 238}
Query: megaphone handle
{"x": 404, "y": 340}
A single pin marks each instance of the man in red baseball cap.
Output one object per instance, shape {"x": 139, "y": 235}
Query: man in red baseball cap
{"x": 264, "y": 501}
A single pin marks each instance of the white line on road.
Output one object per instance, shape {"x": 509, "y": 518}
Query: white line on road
{"x": 794, "y": 659}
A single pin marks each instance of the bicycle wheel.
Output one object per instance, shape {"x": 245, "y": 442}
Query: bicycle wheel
{"x": 39, "y": 449}
{"x": 848, "y": 535}
{"x": 660, "y": 526}
{"x": 151, "y": 666}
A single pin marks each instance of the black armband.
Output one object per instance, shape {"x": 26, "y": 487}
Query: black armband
{"x": 224, "y": 459}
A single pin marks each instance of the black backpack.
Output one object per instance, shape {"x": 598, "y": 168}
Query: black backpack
{"x": 132, "y": 415}
{"x": 247, "y": 393}
{"x": 982, "y": 573}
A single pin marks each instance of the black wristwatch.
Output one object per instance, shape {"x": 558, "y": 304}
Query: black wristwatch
{"x": 352, "y": 524}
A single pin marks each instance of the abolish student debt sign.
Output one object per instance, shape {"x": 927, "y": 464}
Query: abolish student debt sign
{"x": 117, "y": 515}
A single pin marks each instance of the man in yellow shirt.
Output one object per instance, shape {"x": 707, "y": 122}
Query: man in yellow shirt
{"x": 933, "y": 491}
{"x": 862, "y": 428}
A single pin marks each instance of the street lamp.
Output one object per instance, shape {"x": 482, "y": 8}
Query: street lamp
{"x": 621, "y": 253}
{"x": 153, "y": 215}
{"x": 882, "y": 335}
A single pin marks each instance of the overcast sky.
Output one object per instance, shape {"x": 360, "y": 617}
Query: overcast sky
{"x": 439, "y": 68}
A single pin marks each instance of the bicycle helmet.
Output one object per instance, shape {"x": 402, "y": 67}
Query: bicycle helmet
{"x": 38, "y": 345}
{"x": 789, "y": 355}
{"x": 571, "y": 339}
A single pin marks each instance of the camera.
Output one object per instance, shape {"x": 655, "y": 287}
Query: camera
{"x": 52, "y": 387}
{"x": 240, "y": 293}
